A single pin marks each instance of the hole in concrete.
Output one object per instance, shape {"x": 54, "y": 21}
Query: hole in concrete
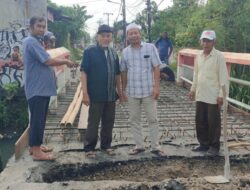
{"x": 141, "y": 170}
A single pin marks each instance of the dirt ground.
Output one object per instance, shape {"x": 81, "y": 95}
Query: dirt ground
{"x": 155, "y": 174}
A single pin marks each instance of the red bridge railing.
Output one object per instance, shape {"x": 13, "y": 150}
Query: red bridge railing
{"x": 186, "y": 59}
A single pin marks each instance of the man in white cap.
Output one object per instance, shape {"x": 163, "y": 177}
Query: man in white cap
{"x": 141, "y": 87}
{"x": 210, "y": 77}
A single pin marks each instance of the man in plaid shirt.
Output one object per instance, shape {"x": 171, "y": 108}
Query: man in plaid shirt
{"x": 141, "y": 86}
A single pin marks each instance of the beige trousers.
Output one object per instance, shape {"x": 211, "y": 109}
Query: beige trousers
{"x": 135, "y": 106}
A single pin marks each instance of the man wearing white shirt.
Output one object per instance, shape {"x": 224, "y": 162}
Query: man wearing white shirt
{"x": 210, "y": 76}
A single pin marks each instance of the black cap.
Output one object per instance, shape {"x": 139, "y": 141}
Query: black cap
{"x": 104, "y": 28}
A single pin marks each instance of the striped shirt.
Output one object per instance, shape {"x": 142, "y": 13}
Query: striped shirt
{"x": 139, "y": 64}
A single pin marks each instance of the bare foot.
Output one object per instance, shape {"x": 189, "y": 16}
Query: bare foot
{"x": 43, "y": 157}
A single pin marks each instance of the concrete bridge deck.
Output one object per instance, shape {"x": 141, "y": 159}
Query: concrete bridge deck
{"x": 72, "y": 170}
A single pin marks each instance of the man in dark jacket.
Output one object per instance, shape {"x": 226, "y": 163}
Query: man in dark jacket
{"x": 100, "y": 84}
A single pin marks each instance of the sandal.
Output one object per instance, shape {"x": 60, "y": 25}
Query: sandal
{"x": 90, "y": 154}
{"x": 109, "y": 151}
{"x": 136, "y": 151}
{"x": 44, "y": 149}
{"x": 159, "y": 153}
{"x": 45, "y": 157}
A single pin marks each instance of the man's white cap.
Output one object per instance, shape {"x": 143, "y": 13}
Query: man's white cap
{"x": 132, "y": 26}
{"x": 208, "y": 34}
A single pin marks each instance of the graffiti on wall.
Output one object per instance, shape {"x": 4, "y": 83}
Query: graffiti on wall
{"x": 11, "y": 66}
{"x": 11, "y": 37}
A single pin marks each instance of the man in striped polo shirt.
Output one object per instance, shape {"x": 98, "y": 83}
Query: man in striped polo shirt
{"x": 141, "y": 86}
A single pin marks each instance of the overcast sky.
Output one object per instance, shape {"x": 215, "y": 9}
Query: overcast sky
{"x": 97, "y": 8}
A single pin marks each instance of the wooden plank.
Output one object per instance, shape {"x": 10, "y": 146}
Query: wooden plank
{"x": 83, "y": 120}
{"x": 58, "y": 52}
{"x": 240, "y": 144}
{"x": 71, "y": 106}
{"x": 21, "y": 143}
{"x": 75, "y": 111}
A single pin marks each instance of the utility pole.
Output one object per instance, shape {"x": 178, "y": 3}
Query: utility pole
{"x": 108, "y": 16}
{"x": 124, "y": 21}
{"x": 99, "y": 22}
{"x": 149, "y": 15}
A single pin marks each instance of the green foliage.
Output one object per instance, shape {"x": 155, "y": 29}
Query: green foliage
{"x": 76, "y": 54}
{"x": 73, "y": 31}
{"x": 13, "y": 113}
{"x": 76, "y": 27}
{"x": 11, "y": 89}
{"x": 118, "y": 26}
{"x": 186, "y": 19}
{"x": 239, "y": 92}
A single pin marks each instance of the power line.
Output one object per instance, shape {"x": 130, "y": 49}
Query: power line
{"x": 124, "y": 20}
{"x": 133, "y": 14}
{"x": 133, "y": 6}
{"x": 159, "y": 3}
{"x": 149, "y": 14}
{"x": 124, "y": 17}
{"x": 119, "y": 12}
{"x": 76, "y": 3}
{"x": 108, "y": 16}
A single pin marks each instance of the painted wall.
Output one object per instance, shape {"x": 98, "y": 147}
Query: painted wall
{"x": 20, "y": 11}
{"x": 11, "y": 71}
{"x": 14, "y": 19}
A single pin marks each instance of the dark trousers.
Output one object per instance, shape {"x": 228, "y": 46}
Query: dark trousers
{"x": 208, "y": 124}
{"x": 104, "y": 112}
{"x": 38, "y": 106}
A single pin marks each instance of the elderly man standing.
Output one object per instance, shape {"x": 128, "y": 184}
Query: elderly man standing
{"x": 101, "y": 86}
{"x": 210, "y": 77}
{"x": 141, "y": 86}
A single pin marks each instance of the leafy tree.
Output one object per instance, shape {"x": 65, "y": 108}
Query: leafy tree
{"x": 141, "y": 18}
{"x": 10, "y": 109}
{"x": 77, "y": 26}
{"x": 117, "y": 26}
{"x": 186, "y": 19}
{"x": 175, "y": 20}
{"x": 73, "y": 30}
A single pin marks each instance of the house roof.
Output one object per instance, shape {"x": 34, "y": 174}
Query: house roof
{"x": 57, "y": 14}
